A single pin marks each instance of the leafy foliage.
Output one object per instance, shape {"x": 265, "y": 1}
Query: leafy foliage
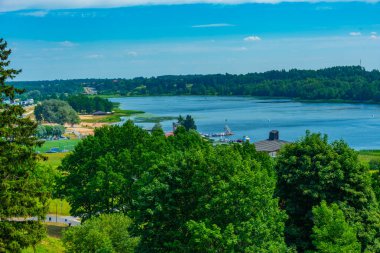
{"x": 331, "y": 232}
{"x": 56, "y": 111}
{"x": 221, "y": 198}
{"x": 102, "y": 168}
{"x": 312, "y": 170}
{"x": 344, "y": 83}
{"x": 188, "y": 122}
{"x": 24, "y": 185}
{"x": 49, "y": 131}
{"x": 183, "y": 193}
{"x": 106, "y": 233}
{"x": 85, "y": 104}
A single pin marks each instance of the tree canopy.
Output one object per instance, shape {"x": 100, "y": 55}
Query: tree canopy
{"x": 312, "y": 170}
{"x": 85, "y": 104}
{"x": 25, "y": 186}
{"x": 56, "y": 111}
{"x": 337, "y": 83}
{"x": 221, "y": 198}
{"x": 49, "y": 131}
{"x": 184, "y": 194}
{"x": 331, "y": 232}
{"x": 188, "y": 122}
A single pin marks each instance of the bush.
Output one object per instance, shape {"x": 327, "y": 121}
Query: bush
{"x": 105, "y": 233}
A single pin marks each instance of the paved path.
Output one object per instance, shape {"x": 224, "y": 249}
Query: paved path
{"x": 70, "y": 220}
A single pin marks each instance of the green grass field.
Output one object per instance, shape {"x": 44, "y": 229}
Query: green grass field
{"x": 52, "y": 243}
{"x": 61, "y": 144}
{"x": 367, "y": 155}
{"x": 47, "y": 245}
{"x": 54, "y": 159}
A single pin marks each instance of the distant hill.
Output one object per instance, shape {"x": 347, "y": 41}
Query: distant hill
{"x": 349, "y": 83}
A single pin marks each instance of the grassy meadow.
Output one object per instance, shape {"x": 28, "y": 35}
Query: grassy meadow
{"x": 52, "y": 243}
{"x": 367, "y": 155}
{"x": 61, "y": 144}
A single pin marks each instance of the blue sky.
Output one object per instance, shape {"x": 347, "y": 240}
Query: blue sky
{"x": 67, "y": 40}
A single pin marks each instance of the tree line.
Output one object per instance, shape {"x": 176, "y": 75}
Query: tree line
{"x": 352, "y": 83}
{"x": 88, "y": 105}
{"x": 66, "y": 111}
{"x": 49, "y": 131}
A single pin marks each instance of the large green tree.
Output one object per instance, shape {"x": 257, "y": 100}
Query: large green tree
{"x": 56, "y": 111}
{"x": 24, "y": 184}
{"x": 312, "y": 170}
{"x": 201, "y": 198}
{"x": 85, "y": 104}
{"x": 100, "y": 173}
{"x": 187, "y": 122}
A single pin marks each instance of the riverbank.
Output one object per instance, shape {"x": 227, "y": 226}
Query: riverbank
{"x": 110, "y": 118}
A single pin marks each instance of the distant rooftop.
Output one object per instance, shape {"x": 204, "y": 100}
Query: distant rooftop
{"x": 272, "y": 144}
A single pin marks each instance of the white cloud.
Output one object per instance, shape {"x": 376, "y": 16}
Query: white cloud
{"x": 373, "y": 33}
{"x": 132, "y": 53}
{"x": 355, "y": 33}
{"x": 11, "y": 5}
{"x": 252, "y": 38}
{"x": 94, "y": 56}
{"x": 373, "y": 37}
{"x": 37, "y": 14}
{"x": 239, "y": 49}
{"x": 212, "y": 25}
{"x": 67, "y": 43}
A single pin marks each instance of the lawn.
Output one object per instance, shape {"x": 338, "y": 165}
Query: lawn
{"x": 61, "y": 144}
{"x": 62, "y": 207}
{"x": 367, "y": 155}
{"x": 54, "y": 159}
{"x": 52, "y": 243}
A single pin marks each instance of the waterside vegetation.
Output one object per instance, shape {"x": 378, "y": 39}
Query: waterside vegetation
{"x": 341, "y": 83}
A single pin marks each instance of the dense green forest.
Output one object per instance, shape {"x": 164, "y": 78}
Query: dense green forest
{"x": 85, "y": 104}
{"x": 337, "y": 83}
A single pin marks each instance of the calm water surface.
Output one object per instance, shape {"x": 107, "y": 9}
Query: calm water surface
{"x": 357, "y": 124}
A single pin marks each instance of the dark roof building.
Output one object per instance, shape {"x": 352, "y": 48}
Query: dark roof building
{"x": 98, "y": 113}
{"x": 272, "y": 145}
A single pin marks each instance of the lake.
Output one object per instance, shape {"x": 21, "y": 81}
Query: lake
{"x": 357, "y": 124}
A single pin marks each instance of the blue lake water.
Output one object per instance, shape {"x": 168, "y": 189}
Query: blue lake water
{"x": 357, "y": 124}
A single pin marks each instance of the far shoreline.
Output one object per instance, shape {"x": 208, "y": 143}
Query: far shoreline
{"x": 309, "y": 101}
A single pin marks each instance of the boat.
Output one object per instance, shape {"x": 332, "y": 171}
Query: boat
{"x": 227, "y": 132}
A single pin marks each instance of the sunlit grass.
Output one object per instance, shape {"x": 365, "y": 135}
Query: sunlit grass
{"x": 367, "y": 155}
{"x": 54, "y": 159}
{"x": 52, "y": 243}
{"x": 61, "y": 144}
